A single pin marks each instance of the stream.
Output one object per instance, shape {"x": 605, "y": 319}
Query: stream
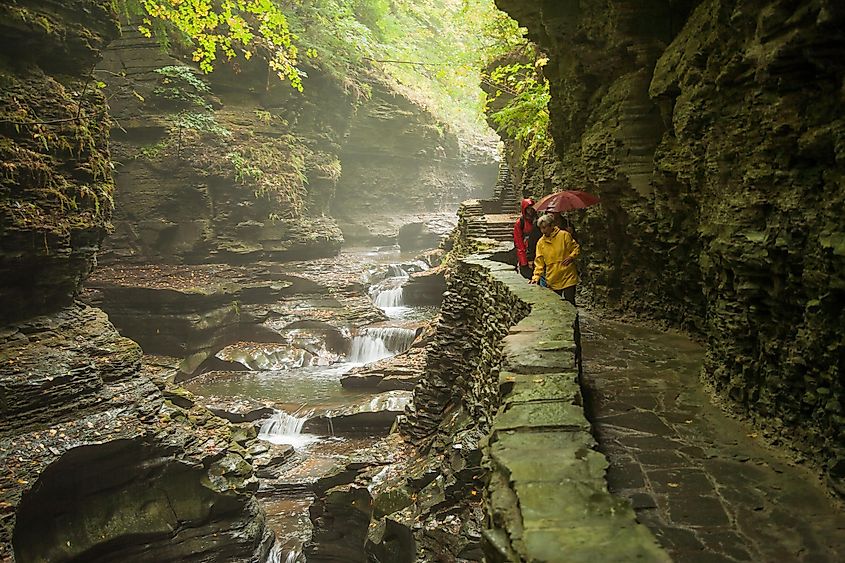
{"x": 304, "y": 383}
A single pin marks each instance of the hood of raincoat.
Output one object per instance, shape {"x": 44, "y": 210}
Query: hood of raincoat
{"x": 526, "y": 203}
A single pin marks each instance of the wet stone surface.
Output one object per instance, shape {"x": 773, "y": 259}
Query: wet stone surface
{"x": 701, "y": 481}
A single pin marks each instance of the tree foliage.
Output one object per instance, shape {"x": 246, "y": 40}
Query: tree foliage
{"x": 525, "y": 115}
{"x": 224, "y": 28}
{"x": 434, "y": 51}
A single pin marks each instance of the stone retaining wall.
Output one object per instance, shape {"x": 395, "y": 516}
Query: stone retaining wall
{"x": 547, "y": 498}
{"x": 501, "y": 406}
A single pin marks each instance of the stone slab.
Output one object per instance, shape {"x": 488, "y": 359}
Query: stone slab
{"x": 548, "y": 456}
{"x": 542, "y": 414}
{"x": 624, "y": 543}
{"x": 521, "y": 388}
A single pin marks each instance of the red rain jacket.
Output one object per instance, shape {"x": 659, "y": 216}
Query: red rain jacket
{"x": 521, "y": 229}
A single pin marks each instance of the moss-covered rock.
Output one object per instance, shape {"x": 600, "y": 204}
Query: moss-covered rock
{"x": 56, "y": 189}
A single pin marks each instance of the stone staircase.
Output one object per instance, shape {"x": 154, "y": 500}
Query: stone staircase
{"x": 504, "y": 192}
{"x": 477, "y": 224}
{"x": 492, "y": 218}
{"x": 499, "y": 226}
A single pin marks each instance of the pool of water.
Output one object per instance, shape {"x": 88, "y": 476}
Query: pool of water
{"x": 312, "y": 388}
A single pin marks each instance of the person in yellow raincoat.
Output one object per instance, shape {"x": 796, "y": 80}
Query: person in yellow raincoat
{"x": 555, "y": 259}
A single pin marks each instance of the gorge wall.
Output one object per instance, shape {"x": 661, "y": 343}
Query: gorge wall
{"x": 238, "y": 166}
{"x": 98, "y": 462}
{"x": 56, "y": 188}
{"x": 713, "y": 132}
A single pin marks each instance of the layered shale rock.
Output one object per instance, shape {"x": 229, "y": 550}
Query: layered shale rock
{"x": 55, "y": 186}
{"x": 99, "y": 465}
{"x": 213, "y": 175}
{"x": 396, "y": 153}
{"x": 97, "y": 462}
{"x": 713, "y": 133}
{"x": 234, "y": 167}
{"x": 193, "y": 312}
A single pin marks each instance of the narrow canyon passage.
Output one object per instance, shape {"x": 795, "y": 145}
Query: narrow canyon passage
{"x": 262, "y": 274}
{"x": 703, "y": 482}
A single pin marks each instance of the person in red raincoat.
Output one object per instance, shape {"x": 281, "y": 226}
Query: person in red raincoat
{"x": 525, "y": 237}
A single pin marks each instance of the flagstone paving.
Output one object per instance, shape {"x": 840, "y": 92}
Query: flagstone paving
{"x": 703, "y": 482}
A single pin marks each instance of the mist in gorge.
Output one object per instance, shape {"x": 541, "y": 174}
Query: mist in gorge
{"x": 421, "y": 281}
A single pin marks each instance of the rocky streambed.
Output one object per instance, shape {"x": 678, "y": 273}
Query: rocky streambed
{"x": 313, "y": 360}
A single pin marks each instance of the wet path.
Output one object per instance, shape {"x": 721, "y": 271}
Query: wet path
{"x": 708, "y": 489}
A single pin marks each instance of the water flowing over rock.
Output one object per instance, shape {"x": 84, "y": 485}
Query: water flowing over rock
{"x": 388, "y": 294}
{"x": 399, "y": 372}
{"x": 193, "y": 312}
{"x": 280, "y": 555}
{"x": 378, "y": 343}
{"x": 284, "y": 428}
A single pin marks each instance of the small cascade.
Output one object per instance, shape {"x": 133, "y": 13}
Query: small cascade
{"x": 284, "y": 428}
{"x": 389, "y": 298}
{"x": 396, "y": 271}
{"x": 378, "y": 343}
{"x": 387, "y": 294}
{"x": 280, "y": 554}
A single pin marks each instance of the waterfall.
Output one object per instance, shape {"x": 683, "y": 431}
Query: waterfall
{"x": 396, "y": 271}
{"x": 388, "y": 298}
{"x": 378, "y": 343}
{"x": 281, "y": 555}
{"x": 284, "y": 428}
{"x": 388, "y": 293}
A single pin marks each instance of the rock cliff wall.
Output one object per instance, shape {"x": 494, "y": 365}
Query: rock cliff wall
{"x": 215, "y": 171}
{"x": 713, "y": 131}
{"x": 237, "y": 166}
{"x": 97, "y": 462}
{"x": 55, "y": 188}
{"x": 397, "y": 159}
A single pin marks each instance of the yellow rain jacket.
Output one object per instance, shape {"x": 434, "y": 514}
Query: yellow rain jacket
{"x": 551, "y": 252}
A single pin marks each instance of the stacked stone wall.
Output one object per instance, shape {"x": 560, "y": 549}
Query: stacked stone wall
{"x": 465, "y": 355}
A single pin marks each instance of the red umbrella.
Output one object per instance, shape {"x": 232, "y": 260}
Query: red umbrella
{"x": 566, "y": 200}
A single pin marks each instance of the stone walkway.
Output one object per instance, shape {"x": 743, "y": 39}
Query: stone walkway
{"x": 702, "y": 481}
